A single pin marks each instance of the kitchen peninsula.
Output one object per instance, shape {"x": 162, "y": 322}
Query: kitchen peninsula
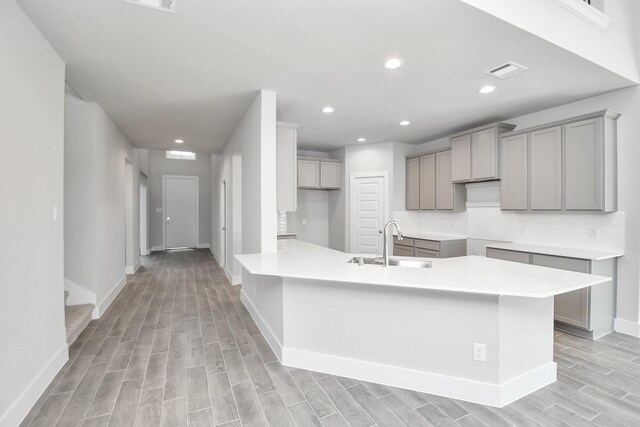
{"x": 470, "y": 328}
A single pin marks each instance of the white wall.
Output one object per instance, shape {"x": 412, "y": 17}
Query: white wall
{"x": 214, "y": 185}
{"x": 94, "y": 175}
{"x": 617, "y": 231}
{"x": 32, "y": 330}
{"x": 159, "y": 165}
{"x": 615, "y": 48}
{"x": 255, "y": 141}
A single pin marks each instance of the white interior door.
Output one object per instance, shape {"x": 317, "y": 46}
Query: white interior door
{"x": 368, "y": 209}
{"x": 181, "y": 211}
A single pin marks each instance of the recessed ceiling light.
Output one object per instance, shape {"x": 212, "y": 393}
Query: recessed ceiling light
{"x": 178, "y": 141}
{"x": 362, "y": 139}
{"x": 327, "y": 109}
{"x": 393, "y": 63}
{"x": 405, "y": 123}
{"x": 486, "y": 89}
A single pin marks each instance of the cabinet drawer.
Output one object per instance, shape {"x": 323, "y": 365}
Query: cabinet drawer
{"x": 562, "y": 263}
{"x": 426, "y": 253}
{"x": 428, "y": 244}
{"x": 404, "y": 242}
{"x": 399, "y": 250}
{"x": 513, "y": 256}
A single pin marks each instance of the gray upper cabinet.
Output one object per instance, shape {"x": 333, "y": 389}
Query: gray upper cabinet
{"x": 428, "y": 182}
{"x": 461, "y": 158}
{"x": 412, "y": 201}
{"x": 484, "y": 155}
{"x": 545, "y": 166}
{"x": 286, "y": 169}
{"x": 330, "y": 174}
{"x": 514, "y": 191}
{"x": 475, "y": 153}
{"x": 429, "y": 185}
{"x": 319, "y": 174}
{"x": 590, "y": 163}
{"x": 570, "y": 165}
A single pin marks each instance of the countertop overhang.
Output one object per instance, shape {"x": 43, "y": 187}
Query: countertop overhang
{"x": 468, "y": 274}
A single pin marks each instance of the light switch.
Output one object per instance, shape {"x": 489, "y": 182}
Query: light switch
{"x": 56, "y": 216}
{"x": 304, "y": 221}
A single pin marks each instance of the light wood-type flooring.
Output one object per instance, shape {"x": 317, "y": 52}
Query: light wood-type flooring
{"x": 178, "y": 348}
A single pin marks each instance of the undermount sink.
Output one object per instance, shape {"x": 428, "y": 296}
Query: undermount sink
{"x": 393, "y": 262}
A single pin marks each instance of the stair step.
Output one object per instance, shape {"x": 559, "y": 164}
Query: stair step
{"x": 76, "y": 318}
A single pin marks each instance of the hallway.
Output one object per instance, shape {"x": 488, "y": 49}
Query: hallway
{"x": 178, "y": 348}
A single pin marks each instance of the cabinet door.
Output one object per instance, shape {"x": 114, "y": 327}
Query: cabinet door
{"x": 286, "y": 169}
{"x": 400, "y": 250}
{"x": 461, "y": 158}
{"x": 545, "y": 166}
{"x": 412, "y": 201}
{"x": 583, "y": 165}
{"x": 444, "y": 186}
{"x": 506, "y": 255}
{"x": 515, "y": 179}
{"x": 572, "y": 307}
{"x": 308, "y": 174}
{"x": 330, "y": 174}
{"x": 428, "y": 182}
{"x": 484, "y": 154}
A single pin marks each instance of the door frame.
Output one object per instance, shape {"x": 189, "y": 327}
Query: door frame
{"x": 164, "y": 206}
{"x": 223, "y": 223}
{"x": 144, "y": 218}
{"x": 386, "y": 214}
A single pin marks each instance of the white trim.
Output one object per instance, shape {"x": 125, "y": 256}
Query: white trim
{"x": 80, "y": 295}
{"x": 30, "y": 395}
{"x": 158, "y": 248}
{"x": 215, "y": 255}
{"x": 266, "y": 331}
{"x": 203, "y": 245}
{"x": 627, "y": 327}
{"x": 128, "y": 269}
{"x": 106, "y": 302}
{"x": 234, "y": 280}
{"x": 164, "y": 206}
{"x": 386, "y": 200}
{"x": 478, "y": 392}
{"x": 587, "y": 12}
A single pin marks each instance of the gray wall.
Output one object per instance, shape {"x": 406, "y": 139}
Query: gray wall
{"x": 32, "y": 330}
{"x": 159, "y": 165}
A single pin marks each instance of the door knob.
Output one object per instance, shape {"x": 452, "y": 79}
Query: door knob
{"x": 168, "y": 219}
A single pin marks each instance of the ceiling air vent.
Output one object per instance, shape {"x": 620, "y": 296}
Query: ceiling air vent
{"x": 162, "y": 5}
{"x": 506, "y": 70}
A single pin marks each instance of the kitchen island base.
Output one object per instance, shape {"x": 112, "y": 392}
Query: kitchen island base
{"x": 418, "y": 339}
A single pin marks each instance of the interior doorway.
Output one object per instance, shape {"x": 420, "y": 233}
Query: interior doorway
{"x": 180, "y": 208}
{"x": 223, "y": 222}
{"x": 368, "y": 211}
{"x": 144, "y": 240}
{"x": 128, "y": 218}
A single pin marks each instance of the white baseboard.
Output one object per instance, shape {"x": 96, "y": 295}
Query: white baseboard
{"x": 627, "y": 327}
{"x": 128, "y": 269}
{"x": 202, "y": 245}
{"x": 80, "y": 295}
{"x": 158, "y": 248}
{"x": 106, "y": 302}
{"x": 482, "y": 393}
{"x": 234, "y": 280}
{"x": 215, "y": 255}
{"x": 266, "y": 331}
{"x": 23, "y": 404}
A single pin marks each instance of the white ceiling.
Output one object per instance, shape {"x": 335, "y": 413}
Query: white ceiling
{"x": 192, "y": 74}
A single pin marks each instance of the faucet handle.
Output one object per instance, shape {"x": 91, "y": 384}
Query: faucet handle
{"x": 400, "y": 236}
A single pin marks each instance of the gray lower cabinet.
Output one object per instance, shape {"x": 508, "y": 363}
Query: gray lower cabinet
{"x": 588, "y": 312}
{"x": 425, "y": 248}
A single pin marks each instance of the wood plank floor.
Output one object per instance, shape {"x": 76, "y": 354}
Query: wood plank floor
{"x": 178, "y": 348}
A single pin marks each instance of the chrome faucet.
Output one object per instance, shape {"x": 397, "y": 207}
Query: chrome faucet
{"x": 385, "y": 250}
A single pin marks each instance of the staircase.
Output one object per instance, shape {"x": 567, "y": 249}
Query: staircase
{"x": 76, "y": 318}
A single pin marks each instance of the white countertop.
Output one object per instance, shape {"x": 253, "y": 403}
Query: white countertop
{"x": 469, "y": 274}
{"x": 430, "y": 236}
{"x": 561, "y": 252}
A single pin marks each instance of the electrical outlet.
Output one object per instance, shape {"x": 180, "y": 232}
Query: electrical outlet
{"x": 594, "y": 233}
{"x": 479, "y": 352}
{"x": 56, "y": 215}
{"x": 304, "y": 221}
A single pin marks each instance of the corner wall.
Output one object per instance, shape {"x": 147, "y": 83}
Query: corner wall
{"x": 32, "y": 329}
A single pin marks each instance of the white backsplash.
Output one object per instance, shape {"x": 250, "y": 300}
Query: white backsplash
{"x": 595, "y": 231}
